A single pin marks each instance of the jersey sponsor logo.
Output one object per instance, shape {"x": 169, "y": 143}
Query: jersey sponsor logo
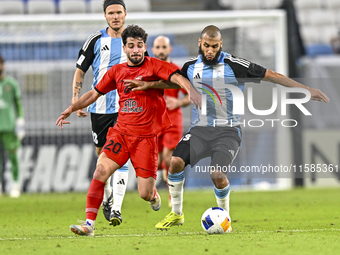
{"x": 197, "y": 76}
{"x": 121, "y": 182}
{"x": 80, "y": 59}
{"x": 139, "y": 78}
{"x": 130, "y": 105}
{"x": 105, "y": 47}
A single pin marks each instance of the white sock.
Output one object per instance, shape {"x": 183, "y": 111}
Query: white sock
{"x": 222, "y": 198}
{"x": 107, "y": 189}
{"x": 91, "y": 222}
{"x": 120, "y": 179}
{"x": 176, "y": 183}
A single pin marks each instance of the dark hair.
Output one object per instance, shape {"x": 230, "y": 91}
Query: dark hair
{"x": 211, "y": 31}
{"x": 2, "y": 60}
{"x": 110, "y": 2}
{"x": 135, "y": 32}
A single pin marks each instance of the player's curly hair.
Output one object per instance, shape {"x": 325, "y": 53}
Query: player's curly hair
{"x": 134, "y": 31}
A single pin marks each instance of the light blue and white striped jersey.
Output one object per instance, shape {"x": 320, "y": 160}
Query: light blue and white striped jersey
{"x": 102, "y": 52}
{"x": 211, "y": 81}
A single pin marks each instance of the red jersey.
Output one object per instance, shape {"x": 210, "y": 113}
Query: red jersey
{"x": 141, "y": 113}
{"x": 175, "y": 114}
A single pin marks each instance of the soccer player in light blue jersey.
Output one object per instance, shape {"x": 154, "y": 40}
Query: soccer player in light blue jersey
{"x": 102, "y": 50}
{"x": 212, "y": 69}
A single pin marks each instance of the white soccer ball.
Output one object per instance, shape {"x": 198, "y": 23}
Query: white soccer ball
{"x": 216, "y": 220}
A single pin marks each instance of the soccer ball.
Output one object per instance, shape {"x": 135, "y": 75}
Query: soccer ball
{"x": 216, "y": 220}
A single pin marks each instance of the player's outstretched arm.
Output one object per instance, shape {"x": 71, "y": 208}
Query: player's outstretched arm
{"x": 173, "y": 103}
{"x": 193, "y": 94}
{"x": 84, "y": 101}
{"x": 144, "y": 85}
{"x": 177, "y": 81}
{"x": 283, "y": 80}
{"x": 78, "y": 81}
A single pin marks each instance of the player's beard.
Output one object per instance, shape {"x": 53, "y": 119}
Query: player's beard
{"x": 208, "y": 62}
{"x": 135, "y": 60}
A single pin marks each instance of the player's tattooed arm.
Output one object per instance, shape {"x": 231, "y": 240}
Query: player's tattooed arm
{"x": 76, "y": 89}
{"x": 78, "y": 82}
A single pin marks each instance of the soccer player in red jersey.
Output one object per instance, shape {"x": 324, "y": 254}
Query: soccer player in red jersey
{"x": 169, "y": 138}
{"x": 142, "y": 115}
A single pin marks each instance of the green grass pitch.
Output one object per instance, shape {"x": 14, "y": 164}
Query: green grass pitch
{"x": 299, "y": 221}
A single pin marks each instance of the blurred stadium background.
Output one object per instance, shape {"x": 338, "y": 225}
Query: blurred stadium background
{"x": 40, "y": 40}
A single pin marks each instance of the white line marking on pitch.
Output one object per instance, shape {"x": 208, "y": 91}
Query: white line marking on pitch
{"x": 178, "y": 233}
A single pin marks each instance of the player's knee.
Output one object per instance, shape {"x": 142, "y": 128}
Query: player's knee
{"x": 176, "y": 165}
{"x": 220, "y": 179}
{"x": 99, "y": 173}
{"x": 147, "y": 195}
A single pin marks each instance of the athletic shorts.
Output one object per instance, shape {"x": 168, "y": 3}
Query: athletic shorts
{"x": 169, "y": 138}
{"x": 10, "y": 140}
{"x": 100, "y": 125}
{"x": 141, "y": 150}
{"x": 220, "y": 143}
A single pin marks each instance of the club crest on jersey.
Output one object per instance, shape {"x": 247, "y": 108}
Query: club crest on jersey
{"x": 130, "y": 105}
{"x": 139, "y": 78}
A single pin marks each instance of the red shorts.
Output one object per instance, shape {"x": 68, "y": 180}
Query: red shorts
{"x": 141, "y": 150}
{"x": 169, "y": 138}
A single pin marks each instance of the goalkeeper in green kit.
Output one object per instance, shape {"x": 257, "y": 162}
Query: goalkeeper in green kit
{"x": 11, "y": 125}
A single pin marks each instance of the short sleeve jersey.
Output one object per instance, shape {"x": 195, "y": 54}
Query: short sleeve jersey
{"x": 102, "y": 52}
{"x": 9, "y": 94}
{"x": 211, "y": 81}
{"x": 141, "y": 113}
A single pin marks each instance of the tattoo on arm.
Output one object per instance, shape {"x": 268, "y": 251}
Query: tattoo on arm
{"x": 77, "y": 89}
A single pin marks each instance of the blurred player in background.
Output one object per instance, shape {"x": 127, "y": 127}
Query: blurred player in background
{"x": 211, "y": 70}
{"x": 142, "y": 115}
{"x": 168, "y": 139}
{"x": 102, "y": 50}
{"x": 11, "y": 125}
